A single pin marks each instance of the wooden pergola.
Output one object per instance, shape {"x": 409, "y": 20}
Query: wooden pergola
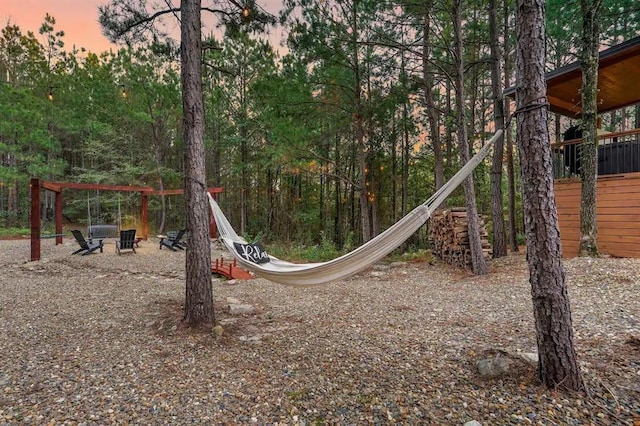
{"x": 38, "y": 185}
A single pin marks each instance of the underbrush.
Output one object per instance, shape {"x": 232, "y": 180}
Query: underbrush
{"x": 304, "y": 253}
{"x": 326, "y": 251}
{"x": 412, "y": 255}
{"x": 14, "y": 232}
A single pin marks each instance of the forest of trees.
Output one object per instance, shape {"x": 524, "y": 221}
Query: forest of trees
{"x": 328, "y": 138}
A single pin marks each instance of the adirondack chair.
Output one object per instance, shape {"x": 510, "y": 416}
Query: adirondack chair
{"x": 85, "y": 246}
{"x": 127, "y": 241}
{"x": 173, "y": 242}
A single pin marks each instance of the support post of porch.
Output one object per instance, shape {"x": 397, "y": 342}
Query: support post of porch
{"x": 35, "y": 219}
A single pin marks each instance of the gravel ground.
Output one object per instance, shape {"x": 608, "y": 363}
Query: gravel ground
{"x": 97, "y": 340}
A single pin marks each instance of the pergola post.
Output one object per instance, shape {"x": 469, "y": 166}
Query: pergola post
{"x": 58, "y": 217}
{"x": 35, "y": 219}
{"x": 144, "y": 214}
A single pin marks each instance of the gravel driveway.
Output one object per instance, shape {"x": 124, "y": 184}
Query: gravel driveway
{"x": 97, "y": 340}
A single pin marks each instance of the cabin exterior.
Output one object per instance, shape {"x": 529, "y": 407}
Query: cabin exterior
{"x": 618, "y": 184}
{"x": 618, "y": 194}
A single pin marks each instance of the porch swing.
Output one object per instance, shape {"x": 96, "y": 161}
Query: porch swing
{"x": 101, "y": 231}
{"x": 47, "y": 210}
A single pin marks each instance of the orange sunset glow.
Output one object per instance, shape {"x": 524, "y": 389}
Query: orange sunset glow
{"x": 77, "y": 18}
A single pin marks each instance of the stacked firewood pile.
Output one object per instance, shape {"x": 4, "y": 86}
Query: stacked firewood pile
{"x": 450, "y": 232}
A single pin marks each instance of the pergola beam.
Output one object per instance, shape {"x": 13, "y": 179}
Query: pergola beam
{"x": 212, "y": 191}
{"x": 97, "y": 186}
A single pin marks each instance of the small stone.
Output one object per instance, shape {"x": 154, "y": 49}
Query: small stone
{"x": 241, "y": 309}
{"x": 218, "y": 330}
{"x": 530, "y": 357}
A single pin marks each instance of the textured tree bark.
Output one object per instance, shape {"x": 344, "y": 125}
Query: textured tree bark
{"x": 511, "y": 197}
{"x": 478, "y": 264}
{"x": 558, "y": 365}
{"x": 511, "y": 179}
{"x": 432, "y": 111}
{"x": 365, "y": 219}
{"x": 589, "y": 146}
{"x": 497, "y": 215}
{"x": 198, "y": 308}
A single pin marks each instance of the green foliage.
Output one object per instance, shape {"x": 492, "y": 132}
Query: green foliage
{"x": 416, "y": 255}
{"x": 14, "y": 232}
{"x": 322, "y": 252}
{"x": 285, "y": 135}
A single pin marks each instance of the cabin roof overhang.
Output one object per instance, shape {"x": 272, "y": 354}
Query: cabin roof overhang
{"x": 618, "y": 81}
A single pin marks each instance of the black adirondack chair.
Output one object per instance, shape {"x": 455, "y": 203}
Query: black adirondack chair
{"x": 85, "y": 246}
{"x": 127, "y": 241}
{"x": 173, "y": 242}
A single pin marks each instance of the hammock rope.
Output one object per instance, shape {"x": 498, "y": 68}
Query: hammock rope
{"x": 311, "y": 274}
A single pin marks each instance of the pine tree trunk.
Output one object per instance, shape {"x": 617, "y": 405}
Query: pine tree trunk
{"x": 338, "y": 237}
{"x": 394, "y": 170}
{"x": 432, "y": 111}
{"x": 497, "y": 215}
{"x": 406, "y": 156}
{"x": 558, "y": 365}
{"x": 365, "y": 220}
{"x": 511, "y": 178}
{"x": 198, "y": 308}
{"x": 478, "y": 263}
{"x": 589, "y": 146}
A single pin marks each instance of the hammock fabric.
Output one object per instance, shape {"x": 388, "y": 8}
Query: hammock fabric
{"x": 310, "y": 274}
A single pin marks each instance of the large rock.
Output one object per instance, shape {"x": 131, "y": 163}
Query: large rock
{"x": 494, "y": 367}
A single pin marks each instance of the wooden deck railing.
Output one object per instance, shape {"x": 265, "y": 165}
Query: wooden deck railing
{"x": 618, "y": 152}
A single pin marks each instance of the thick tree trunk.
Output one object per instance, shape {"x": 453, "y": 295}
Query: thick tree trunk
{"x": 497, "y": 215}
{"x": 558, "y": 365}
{"x": 198, "y": 308}
{"x": 479, "y": 265}
{"x": 589, "y": 146}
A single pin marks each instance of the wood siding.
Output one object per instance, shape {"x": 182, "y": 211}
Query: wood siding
{"x": 618, "y": 215}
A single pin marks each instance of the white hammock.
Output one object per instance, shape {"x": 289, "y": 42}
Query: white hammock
{"x": 309, "y": 274}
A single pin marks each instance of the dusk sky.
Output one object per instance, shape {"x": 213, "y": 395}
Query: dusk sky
{"x": 77, "y": 18}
